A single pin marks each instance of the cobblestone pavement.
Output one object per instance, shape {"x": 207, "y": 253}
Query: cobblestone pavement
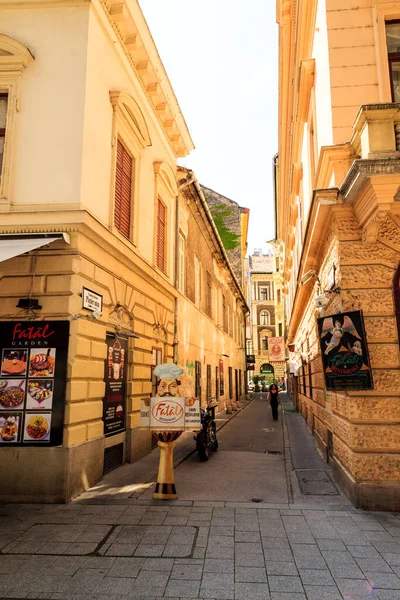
{"x": 143, "y": 549}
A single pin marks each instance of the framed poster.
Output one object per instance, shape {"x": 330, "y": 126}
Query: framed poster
{"x": 33, "y": 372}
{"x": 344, "y": 352}
{"x": 114, "y": 402}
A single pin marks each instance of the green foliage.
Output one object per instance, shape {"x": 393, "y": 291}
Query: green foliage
{"x": 256, "y": 379}
{"x": 229, "y": 239}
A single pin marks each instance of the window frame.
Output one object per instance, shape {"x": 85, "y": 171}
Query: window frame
{"x": 262, "y": 314}
{"x": 12, "y": 63}
{"x": 197, "y": 281}
{"x": 209, "y": 294}
{"x": 383, "y": 13}
{"x": 129, "y": 237}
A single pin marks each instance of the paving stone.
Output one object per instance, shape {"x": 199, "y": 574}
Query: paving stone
{"x": 179, "y": 588}
{"x": 391, "y": 558}
{"x": 220, "y": 541}
{"x": 278, "y": 583}
{"x": 250, "y": 574}
{"x": 177, "y": 550}
{"x": 121, "y": 549}
{"x": 388, "y": 594}
{"x": 384, "y": 580}
{"x": 249, "y": 560}
{"x": 157, "y": 579}
{"x": 116, "y": 585}
{"x": 253, "y": 591}
{"x": 157, "y": 564}
{"x": 220, "y": 553}
{"x": 126, "y": 567}
{"x": 98, "y": 562}
{"x": 248, "y": 548}
{"x": 373, "y": 565}
{"x": 363, "y": 551}
{"x": 392, "y": 546}
{"x": 215, "y": 530}
{"x": 337, "y": 557}
{"x": 287, "y": 596}
{"x": 278, "y": 554}
{"x": 218, "y": 565}
{"x": 326, "y": 544}
{"x": 281, "y": 568}
{"x": 301, "y": 538}
{"x": 81, "y": 548}
{"x": 149, "y": 550}
{"x": 186, "y": 572}
{"x": 324, "y": 593}
{"x": 346, "y": 571}
{"x": 307, "y": 562}
{"x": 355, "y": 589}
{"x": 306, "y": 550}
{"x": 247, "y": 536}
{"x": 316, "y": 577}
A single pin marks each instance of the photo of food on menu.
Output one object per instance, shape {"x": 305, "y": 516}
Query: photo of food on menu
{"x": 14, "y": 362}
{"x": 42, "y": 362}
{"x": 40, "y": 394}
{"x": 10, "y": 425}
{"x": 12, "y": 394}
{"x": 37, "y": 427}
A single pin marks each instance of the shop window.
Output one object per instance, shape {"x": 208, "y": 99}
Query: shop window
{"x": 393, "y": 48}
{"x": 123, "y": 190}
{"x": 161, "y": 235}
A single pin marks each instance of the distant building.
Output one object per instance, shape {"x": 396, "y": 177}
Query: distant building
{"x": 266, "y": 320}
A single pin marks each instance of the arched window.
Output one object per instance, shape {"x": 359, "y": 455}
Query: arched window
{"x": 264, "y": 317}
{"x": 264, "y": 342}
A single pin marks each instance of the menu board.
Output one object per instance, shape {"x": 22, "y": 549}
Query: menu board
{"x": 114, "y": 402}
{"x": 33, "y": 373}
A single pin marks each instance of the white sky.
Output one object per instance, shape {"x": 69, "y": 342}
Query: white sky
{"x": 221, "y": 57}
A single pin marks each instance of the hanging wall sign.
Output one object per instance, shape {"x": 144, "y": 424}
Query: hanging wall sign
{"x": 114, "y": 402}
{"x": 92, "y": 300}
{"x": 276, "y": 349}
{"x": 32, "y": 382}
{"x": 344, "y": 352}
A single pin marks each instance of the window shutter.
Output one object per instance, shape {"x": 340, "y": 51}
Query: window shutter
{"x": 161, "y": 223}
{"x": 123, "y": 191}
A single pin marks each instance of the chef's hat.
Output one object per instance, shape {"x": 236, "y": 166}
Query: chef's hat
{"x": 168, "y": 370}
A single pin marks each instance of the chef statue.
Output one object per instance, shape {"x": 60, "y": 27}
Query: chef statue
{"x": 168, "y": 386}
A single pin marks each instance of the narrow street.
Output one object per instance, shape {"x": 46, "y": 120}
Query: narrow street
{"x": 262, "y": 519}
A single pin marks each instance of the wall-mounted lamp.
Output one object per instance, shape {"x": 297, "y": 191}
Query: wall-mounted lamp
{"x": 29, "y": 304}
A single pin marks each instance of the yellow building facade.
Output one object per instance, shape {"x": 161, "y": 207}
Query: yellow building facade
{"x": 338, "y": 215}
{"x": 90, "y": 134}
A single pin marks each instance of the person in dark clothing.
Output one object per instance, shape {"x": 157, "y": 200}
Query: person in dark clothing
{"x": 273, "y": 397}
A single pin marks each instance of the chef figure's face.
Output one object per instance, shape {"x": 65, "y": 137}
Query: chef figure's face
{"x": 167, "y": 387}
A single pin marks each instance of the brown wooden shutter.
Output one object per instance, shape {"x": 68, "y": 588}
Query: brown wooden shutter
{"x": 161, "y": 226}
{"x": 123, "y": 191}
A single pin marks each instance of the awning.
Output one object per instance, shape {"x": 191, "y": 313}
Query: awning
{"x": 16, "y": 244}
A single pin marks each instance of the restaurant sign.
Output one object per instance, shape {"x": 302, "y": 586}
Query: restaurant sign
{"x": 114, "y": 402}
{"x": 32, "y": 382}
{"x": 170, "y": 413}
{"x": 345, "y": 352}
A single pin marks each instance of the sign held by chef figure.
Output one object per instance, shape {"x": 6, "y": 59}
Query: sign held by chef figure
{"x": 168, "y": 415}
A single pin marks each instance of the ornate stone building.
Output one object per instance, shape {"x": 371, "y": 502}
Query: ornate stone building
{"x": 266, "y": 319}
{"x": 338, "y": 215}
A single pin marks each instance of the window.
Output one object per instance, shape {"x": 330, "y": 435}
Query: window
{"x": 230, "y": 382}
{"x": 264, "y": 317}
{"x": 181, "y": 266}
{"x": 208, "y": 294}
{"x": 3, "y": 120}
{"x": 264, "y": 292}
{"x": 224, "y": 312}
{"x": 278, "y": 296}
{"x": 393, "y": 48}
{"x": 280, "y": 330}
{"x": 197, "y": 391}
{"x": 197, "y": 281}
{"x": 264, "y": 343}
{"x": 161, "y": 235}
{"x": 208, "y": 386}
{"x": 123, "y": 190}
{"x": 228, "y": 319}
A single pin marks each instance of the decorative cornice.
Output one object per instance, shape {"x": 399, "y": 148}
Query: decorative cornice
{"x": 362, "y": 170}
{"x": 131, "y": 30}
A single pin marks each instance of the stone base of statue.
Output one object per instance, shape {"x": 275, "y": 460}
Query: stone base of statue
{"x": 165, "y": 486}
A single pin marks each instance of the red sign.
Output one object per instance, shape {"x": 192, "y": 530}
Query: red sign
{"x": 251, "y": 367}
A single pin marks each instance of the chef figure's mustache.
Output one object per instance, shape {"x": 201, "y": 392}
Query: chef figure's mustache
{"x": 162, "y": 394}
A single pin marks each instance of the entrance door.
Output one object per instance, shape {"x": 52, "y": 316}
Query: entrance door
{"x": 236, "y": 386}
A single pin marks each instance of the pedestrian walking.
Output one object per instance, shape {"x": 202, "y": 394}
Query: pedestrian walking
{"x": 273, "y": 397}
